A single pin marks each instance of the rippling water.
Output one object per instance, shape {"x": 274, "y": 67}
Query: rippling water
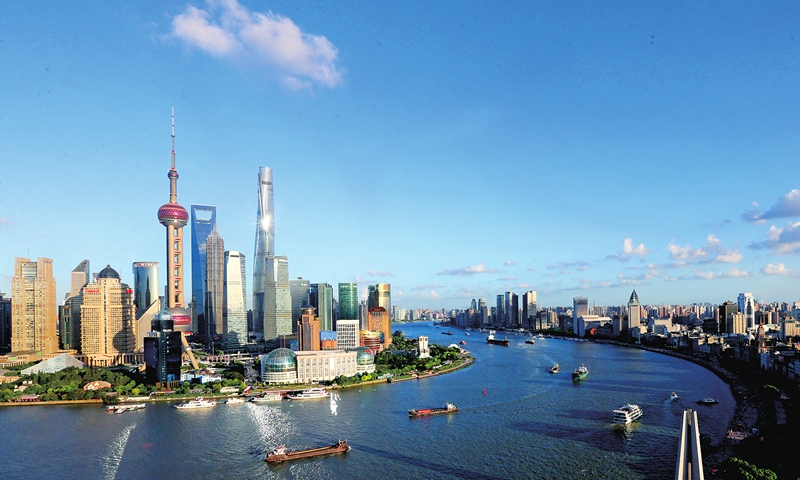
{"x": 528, "y": 424}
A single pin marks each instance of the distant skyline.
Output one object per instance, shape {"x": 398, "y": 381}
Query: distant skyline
{"x": 453, "y": 150}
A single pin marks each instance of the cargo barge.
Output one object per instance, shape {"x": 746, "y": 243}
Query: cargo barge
{"x": 281, "y": 455}
{"x": 424, "y": 412}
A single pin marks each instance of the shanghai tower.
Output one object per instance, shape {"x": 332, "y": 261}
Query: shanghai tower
{"x": 265, "y": 245}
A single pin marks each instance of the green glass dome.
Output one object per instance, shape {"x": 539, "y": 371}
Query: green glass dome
{"x": 279, "y": 361}
{"x": 365, "y": 356}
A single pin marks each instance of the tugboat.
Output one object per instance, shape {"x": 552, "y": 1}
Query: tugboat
{"x": 281, "y": 455}
{"x": 580, "y": 373}
{"x": 495, "y": 341}
{"x": 554, "y": 368}
{"x": 424, "y": 412}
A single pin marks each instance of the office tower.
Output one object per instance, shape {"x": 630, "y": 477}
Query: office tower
{"x": 363, "y": 317}
{"x": 308, "y": 330}
{"x": 78, "y": 278}
{"x": 299, "y": 289}
{"x": 107, "y": 318}
{"x": 380, "y": 295}
{"x": 265, "y": 246}
{"x": 321, "y": 298}
{"x": 735, "y": 323}
{"x": 379, "y": 322}
{"x": 145, "y": 284}
{"x": 162, "y": 352}
{"x": 396, "y": 314}
{"x": 580, "y": 307}
{"x": 473, "y": 305}
{"x": 748, "y": 308}
{"x": 499, "y": 315}
{"x": 33, "y": 306}
{"x": 634, "y": 310}
{"x": 234, "y": 302}
{"x": 724, "y": 311}
{"x": 529, "y": 309}
{"x": 277, "y": 300}
{"x": 174, "y": 217}
{"x": 348, "y": 301}
{"x": 512, "y": 309}
{"x": 5, "y": 323}
{"x": 347, "y": 334}
{"x": 215, "y": 279}
{"x": 204, "y": 220}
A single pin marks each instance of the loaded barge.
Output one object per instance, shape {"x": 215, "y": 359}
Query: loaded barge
{"x": 281, "y": 455}
{"x": 424, "y": 412}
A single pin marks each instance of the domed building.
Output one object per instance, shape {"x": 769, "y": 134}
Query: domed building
{"x": 365, "y": 360}
{"x": 279, "y": 366}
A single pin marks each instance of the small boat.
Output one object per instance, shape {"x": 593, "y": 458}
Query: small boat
{"x": 580, "y": 373}
{"x": 494, "y": 341}
{"x": 268, "y": 398}
{"x": 198, "y": 402}
{"x": 125, "y": 408}
{"x": 673, "y": 396}
{"x": 234, "y": 401}
{"x": 554, "y": 368}
{"x": 627, "y": 413}
{"x": 734, "y": 435}
{"x": 309, "y": 394}
{"x": 447, "y": 333}
{"x": 707, "y": 401}
{"x": 529, "y": 341}
{"x": 467, "y": 334}
{"x": 280, "y": 454}
{"x": 463, "y": 342}
{"x": 424, "y": 412}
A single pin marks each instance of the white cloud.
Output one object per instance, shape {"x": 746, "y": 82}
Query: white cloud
{"x": 734, "y": 272}
{"x": 510, "y": 263}
{"x": 379, "y": 273}
{"x": 227, "y": 29}
{"x": 787, "y": 206}
{"x": 629, "y": 249}
{"x": 468, "y": 271}
{"x": 781, "y": 240}
{"x": 531, "y": 269}
{"x": 430, "y": 286}
{"x": 507, "y": 279}
{"x": 676, "y": 252}
{"x": 780, "y": 269}
{"x": 523, "y": 285}
{"x": 5, "y": 221}
{"x": 563, "y": 265}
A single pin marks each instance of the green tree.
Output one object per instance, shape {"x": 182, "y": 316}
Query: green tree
{"x": 737, "y": 469}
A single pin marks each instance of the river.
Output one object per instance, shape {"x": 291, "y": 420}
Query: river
{"x": 528, "y": 424}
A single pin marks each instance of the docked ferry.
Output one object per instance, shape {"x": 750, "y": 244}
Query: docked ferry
{"x": 309, "y": 394}
{"x": 268, "y": 397}
{"x": 197, "y": 403}
{"x": 626, "y": 414}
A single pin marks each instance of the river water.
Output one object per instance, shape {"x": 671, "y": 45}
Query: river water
{"x": 528, "y": 424}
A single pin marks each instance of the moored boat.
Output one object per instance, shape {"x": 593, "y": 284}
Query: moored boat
{"x": 554, "y": 368}
{"x": 234, "y": 401}
{"x": 580, "y": 373}
{"x": 125, "y": 407}
{"x": 627, "y": 413}
{"x": 495, "y": 341}
{"x": 197, "y": 403}
{"x": 309, "y": 394}
{"x": 707, "y": 401}
{"x": 268, "y": 397}
{"x": 280, "y": 454}
{"x": 424, "y": 412}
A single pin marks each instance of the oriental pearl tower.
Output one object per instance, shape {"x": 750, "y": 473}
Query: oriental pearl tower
{"x": 173, "y": 216}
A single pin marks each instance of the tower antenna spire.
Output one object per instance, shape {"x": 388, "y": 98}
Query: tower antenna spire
{"x": 173, "y": 138}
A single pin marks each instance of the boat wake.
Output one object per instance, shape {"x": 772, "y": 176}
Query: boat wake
{"x": 334, "y": 403}
{"x": 114, "y": 457}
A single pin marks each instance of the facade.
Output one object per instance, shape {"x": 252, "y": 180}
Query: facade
{"x": 726, "y": 309}
{"x": 347, "y": 334}
{"x": 379, "y": 322}
{"x": 348, "y": 301}
{"x": 234, "y": 301}
{"x": 371, "y": 339}
{"x": 735, "y": 323}
{"x": 365, "y": 360}
{"x": 299, "y": 289}
{"x": 580, "y": 307}
{"x": 203, "y": 222}
{"x": 145, "y": 284}
{"x": 634, "y": 310}
{"x": 308, "y": 330}
{"x": 5, "y": 323}
{"x": 321, "y": 298}
{"x": 380, "y": 295}
{"x": 162, "y": 351}
{"x": 747, "y": 306}
{"x": 264, "y": 248}
{"x": 174, "y": 217}
{"x": 107, "y": 318}
{"x": 529, "y": 309}
{"x": 214, "y": 289}
{"x": 512, "y": 309}
{"x": 277, "y": 300}
{"x": 328, "y": 340}
{"x": 78, "y": 277}
{"x": 279, "y": 367}
{"x": 422, "y": 345}
{"x": 33, "y": 306}
{"x": 325, "y": 365}
{"x": 500, "y": 311}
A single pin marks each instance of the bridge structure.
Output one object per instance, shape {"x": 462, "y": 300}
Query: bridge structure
{"x": 690, "y": 459}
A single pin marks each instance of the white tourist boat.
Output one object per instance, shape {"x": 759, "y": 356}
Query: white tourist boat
{"x": 197, "y": 403}
{"x": 627, "y": 413}
{"x": 235, "y": 401}
{"x": 309, "y": 394}
{"x": 268, "y": 397}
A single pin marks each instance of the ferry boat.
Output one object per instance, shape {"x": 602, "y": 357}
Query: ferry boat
{"x": 707, "y": 401}
{"x": 580, "y": 373}
{"x": 234, "y": 401}
{"x": 627, "y": 413}
{"x": 554, "y": 368}
{"x": 495, "y": 341}
{"x": 280, "y": 454}
{"x": 268, "y": 398}
{"x": 424, "y": 412}
{"x": 529, "y": 341}
{"x": 198, "y": 402}
{"x": 310, "y": 394}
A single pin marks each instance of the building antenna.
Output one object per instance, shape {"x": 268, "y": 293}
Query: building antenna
{"x": 173, "y": 138}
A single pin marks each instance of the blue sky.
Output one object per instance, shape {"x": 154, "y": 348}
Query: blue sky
{"x": 453, "y": 149}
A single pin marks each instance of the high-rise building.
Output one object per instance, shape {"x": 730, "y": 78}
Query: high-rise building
{"x": 380, "y": 295}
{"x": 145, "y": 284}
{"x": 277, "y": 299}
{"x": 5, "y": 323}
{"x": 234, "y": 302}
{"x": 500, "y": 311}
{"x": 379, "y": 322}
{"x": 512, "y": 309}
{"x": 580, "y": 307}
{"x": 214, "y": 289}
{"x": 363, "y": 317}
{"x": 724, "y": 311}
{"x": 299, "y": 289}
{"x": 107, "y": 318}
{"x": 174, "y": 217}
{"x": 204, "y": 220}
{"x": 347, "y": 334}
{"x": 78, "y": 278}
{"x": 748, "y": 308}
{"x": 33, "y": 306}
{"x": 265, "y": 247}
{"x": 348, "y": 301}
{"x": 69, "y": 314}
{"x": 634, "y": 311}
{"x": 529, "y": 309}
{"x": 321, "y": 298}
{"x": 308, "y": 330}
{"x": 162, "y": 352}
